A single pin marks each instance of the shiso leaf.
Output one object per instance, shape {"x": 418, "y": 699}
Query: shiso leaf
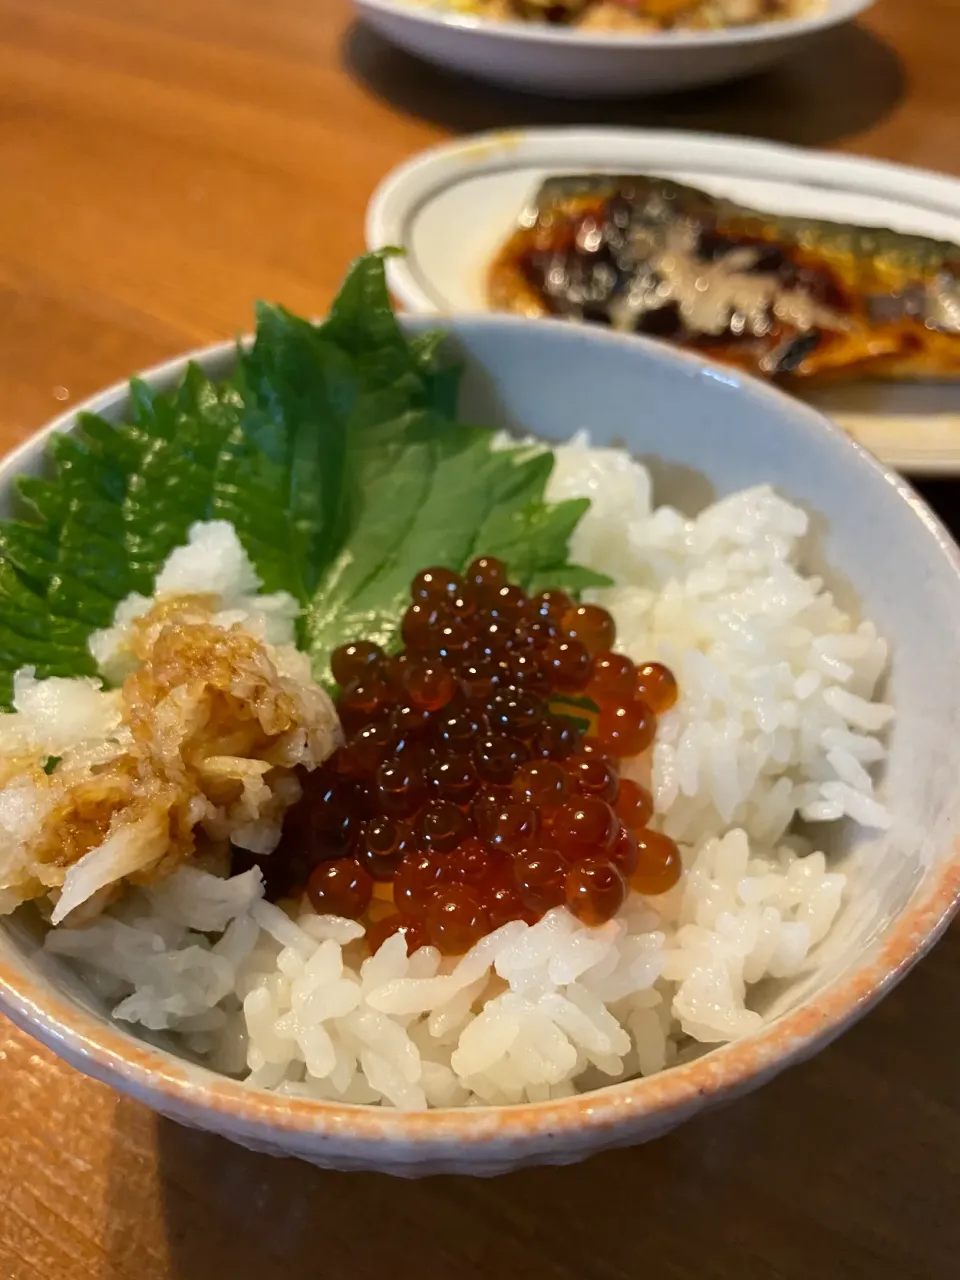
{"x": 335, "y": 451}
{"x": 424, "y": 510}
{"x": 575, "y": 700}
{"x": 282, "y": 475}
{"x": 175, "y": 480}
{"x": 567, "y": 705}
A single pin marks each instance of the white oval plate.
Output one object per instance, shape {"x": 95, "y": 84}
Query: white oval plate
{"x": 572, "y": 63}
{"x": 451, "y": 207}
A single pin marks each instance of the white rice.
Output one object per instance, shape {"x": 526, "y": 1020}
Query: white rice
{"x": 525, "y": 1014}
{"x": 777, "y": 719}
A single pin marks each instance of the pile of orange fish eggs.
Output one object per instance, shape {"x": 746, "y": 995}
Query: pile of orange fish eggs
{"x": 467, "y": 794}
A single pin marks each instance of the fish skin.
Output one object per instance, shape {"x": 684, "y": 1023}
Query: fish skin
{"x": 867, "y": 301}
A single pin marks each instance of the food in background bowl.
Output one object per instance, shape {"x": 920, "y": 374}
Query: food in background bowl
{"x": 547, "y": 841}
{"x": 635, "y": 16}
{"x": 609, "y": 51}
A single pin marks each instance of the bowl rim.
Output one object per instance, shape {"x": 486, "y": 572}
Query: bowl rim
{"x": 98, "y": 1047}
{"x": 831, "y": 13}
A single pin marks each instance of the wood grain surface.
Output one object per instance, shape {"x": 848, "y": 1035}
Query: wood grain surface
{"x": 163, "y": 163}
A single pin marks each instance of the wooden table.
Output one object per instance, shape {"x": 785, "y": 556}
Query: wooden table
{"x": 161, "y": 165}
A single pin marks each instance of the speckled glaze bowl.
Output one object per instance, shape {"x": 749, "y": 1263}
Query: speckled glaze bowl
{"x": 705, "y": 432}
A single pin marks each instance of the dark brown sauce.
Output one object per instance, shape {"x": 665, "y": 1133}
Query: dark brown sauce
{"x": 582, "y": 263}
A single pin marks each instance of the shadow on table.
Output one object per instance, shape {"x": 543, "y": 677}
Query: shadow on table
{"x": 844, "y": 1167}
{"x": 840, "y": 84}
{"x": 944, "y": 496}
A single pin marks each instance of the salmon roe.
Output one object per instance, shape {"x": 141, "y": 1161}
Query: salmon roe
{"x": 467, "y": 793}
{"x": 656, "y": 685}
{"x": 658, "y": 863}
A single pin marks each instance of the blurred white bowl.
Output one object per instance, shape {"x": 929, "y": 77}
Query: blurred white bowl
{"x": 572, "y": 63}
{"x": 451, "y": 208}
